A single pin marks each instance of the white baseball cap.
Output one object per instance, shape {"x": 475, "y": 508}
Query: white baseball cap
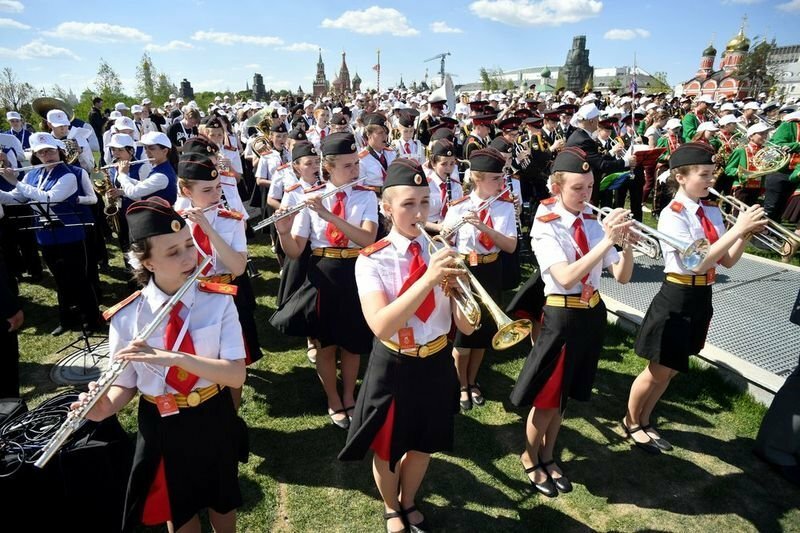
{"x": 707, "y": 99}
{"x": 56, "y": 117}
{"x": 307, "y": 103}
{"x": 728, "y": 106}
{"x": 114, "y": 114}
{"x": 146, "y": 101}
{"x": 121, "y": 140}
{"x": 587, "y": 112}
{"x": 120, "y": 106}
{"x": 752, "y": 105}
{"x": 728, "y": 119}
{"x": 757, "y": 128}
{"x": 707, "y": 126}
{"x": 156, "y": 137}
{"x": 124, "y": 123}
{"x": 792, "y": 117}
{"x": 673, "y": 123}
{"x": 42, "y": 140}
{"x": 136, "y": 108}
{"x": 13, "y": 115}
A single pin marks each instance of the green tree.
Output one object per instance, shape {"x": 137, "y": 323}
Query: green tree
{"x": 107, "y": 83}
{"x": 146, "y": 78}
{"x": 754, "y": 68}
{"x": 616, "y": 83}
{"x": 14, "y": 93}
{"x": 164, "y": 87}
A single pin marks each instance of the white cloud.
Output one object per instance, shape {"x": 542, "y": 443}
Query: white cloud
{"x": 11, "y": 5}
{"x": 228, "y": 39}
{"x": 252, "y": 65}
{"x": 98, "y": 32}
{"x": 11, "y": 23}
{"x": 442, "y": 27}
{"x": 211, "y": 85}
{"x": 38, "y": 49}
{"x": 373, "y": 21}
{"x": 794, "y": 5}
{"x": 536, "y": 12}
{"x": 300, "y": 47}
{"x": 169, "y": 47}
{"x": 618, "y": 34}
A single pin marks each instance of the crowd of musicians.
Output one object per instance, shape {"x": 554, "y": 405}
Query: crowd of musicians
{"x": 383, "y": 211}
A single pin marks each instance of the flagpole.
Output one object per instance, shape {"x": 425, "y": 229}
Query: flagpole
{"x": 379, "y": 70}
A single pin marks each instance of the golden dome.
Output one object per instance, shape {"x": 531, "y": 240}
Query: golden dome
{"x": 740, "y": 43}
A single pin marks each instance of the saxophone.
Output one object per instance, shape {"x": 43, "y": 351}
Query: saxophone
{"x": 102, "y": 186}
{"x": 76, "y": 418}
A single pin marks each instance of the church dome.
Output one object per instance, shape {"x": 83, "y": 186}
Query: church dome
{"x": 545, "y": 73}
{"x": 710, "y": 51}
{"x": 740, "y": 43}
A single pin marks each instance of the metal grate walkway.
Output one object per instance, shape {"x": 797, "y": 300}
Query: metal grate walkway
{"x": 752, "y": 302}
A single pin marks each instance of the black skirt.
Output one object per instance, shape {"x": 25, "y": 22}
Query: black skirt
{"x": 676, "y": 325}
{"x": 580, "y": 333}
{"x": 199, "y": 446}
{"x": 528, "y": 300}
{"x": 489, "y": 275}
{"x": 425, "y": 395}
{"x": 340, "y": 321}
{"x": 293, "y": 275}
{"x": 245, "y": 302}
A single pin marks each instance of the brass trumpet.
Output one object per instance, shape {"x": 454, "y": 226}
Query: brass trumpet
{"x": 775, "y": 237}
{"x": 690, "y": 254}
{"x": 509, "y": 332}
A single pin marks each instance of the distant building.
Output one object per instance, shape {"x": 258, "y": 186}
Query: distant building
{"x": 784, "y": 64}
{"x": 356, "y": 83}
{"x": 576, "y": 74}
{"x": 259, "y": 91}
{"x": 341, "y": 84}
{"x": 186, "y": 91}
{"x": 723, "y": 82}
{"x": 320, "y": 85}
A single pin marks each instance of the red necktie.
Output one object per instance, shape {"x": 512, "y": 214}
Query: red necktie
{"x": 408, "y": 148}
{"x": 178, "y": 378}
{"x": 335, "y": 236}
{"x": 415, "y": 271}
{"x": 443, "y": 188}
{"x": 483, "y": 238}
{"x": 581, "y": 240}
{"x": 382, "y": 159}
{"x": 708, "y": 228}
{"x": 321, "y": 134}
{"x": 204, "y": 246}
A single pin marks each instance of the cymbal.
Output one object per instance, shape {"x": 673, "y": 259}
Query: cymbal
{"x": 45, "y": 104}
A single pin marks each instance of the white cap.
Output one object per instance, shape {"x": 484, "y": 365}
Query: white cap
{"x": 673, "y": 123}
{"x": 146, "y": 101}
{"x": 757, "y": 128}
{"x": 155, "y": 137}
{"x": 591, "y": 97}
{"x": 307, "y": 103}
{"x": 217, "y": 98}
{"x": 762, "y": 95}
{"x": 124, "y": 123}
{"x": 13, "y": 115}
{"x": 179, "y": 100}
{"x": 707, "y": 126}
{"x": 651, "y": 105}
{"x": 114, "y": 114}
{"x": 587, "y": 112}
{"x": 728, "y": 106}
{"x": 728, "y": 119}
{"x": 121, "y": 140}
{"x": 625, "y": 100}
{"x": 792, "y": 117}
{"x": 282, "y": 111}
{"x": 136, "y": 108}
{"x": 56, "y": 117}
{"x": 707, "y": 99}
{"x": 752, "y": 105}
{"x": 120, "y": 106}
{"x": 644, "y": 99}
{"x": 42, "y": 140}
{"x": 172, "y": 96}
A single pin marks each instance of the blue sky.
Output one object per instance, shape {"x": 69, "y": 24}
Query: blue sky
{"x": 216, "y": 48}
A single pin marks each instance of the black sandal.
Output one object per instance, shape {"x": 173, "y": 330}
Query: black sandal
{"x": 466, "y": 405}
{"x": 348, "y": 409}
{"x": 649, "y": 447}
{"x": 562, "y": 483}
{"x": 344, "y": 423}
{"x": 420, "y": 527}
{"x": 477, "y": 399}
{"x": 662, "y": 444}
{"x": 394, "y": 514}
{"x": 548, "y": 488}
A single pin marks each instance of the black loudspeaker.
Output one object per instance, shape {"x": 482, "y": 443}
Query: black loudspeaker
{"x": 81, "y": 489}
{"x": 10, "y": 408}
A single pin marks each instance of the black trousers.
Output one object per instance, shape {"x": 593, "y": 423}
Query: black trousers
{"x": 778, "y": 190}
{"x": 635, "y": 187}
{"x": 69, "y": 266}
{"x": 19, "y": 246}
{"x": 9, "y": 362}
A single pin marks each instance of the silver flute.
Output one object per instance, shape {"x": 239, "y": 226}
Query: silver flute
{"x": 76, "y": 418}
{"x": 134, "y": 162}
{"x": 486, "y": 203}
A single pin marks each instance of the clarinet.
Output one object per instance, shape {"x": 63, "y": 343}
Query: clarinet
{"x": 517, "y": 220}
{"x": 447, "y": 194}
{"x": 76, "y": 418}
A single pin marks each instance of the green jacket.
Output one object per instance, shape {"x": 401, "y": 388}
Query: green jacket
{"x": 690, "y": 123}
{"x": 786, "y": 135}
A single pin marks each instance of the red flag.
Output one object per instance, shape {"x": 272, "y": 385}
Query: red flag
{"x": 377, "y": 68}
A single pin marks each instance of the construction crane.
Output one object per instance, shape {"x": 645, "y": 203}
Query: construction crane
{"x": 441, "y": 64}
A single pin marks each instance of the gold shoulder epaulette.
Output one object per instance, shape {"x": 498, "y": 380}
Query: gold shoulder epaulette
{"x": 456, "y": 202}
{"x": 285, "y": 165}
{"x": 116, "y": 308}
{"x": 549, "y": 217}
{"x": 374, "y": 247}
{"x": 218, "y": 288}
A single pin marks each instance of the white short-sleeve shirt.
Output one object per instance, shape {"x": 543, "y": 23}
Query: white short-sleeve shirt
{"x": 360, "y": 205}
{"x": 435, "y": 183}
{"x": 679, "y": 220}
{"x": 231, "y": 230}
{"x": 503, "y": 220}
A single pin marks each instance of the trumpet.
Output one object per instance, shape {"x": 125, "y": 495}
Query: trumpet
{"x": 299, "y": 207}
{"x": 690, "y": 254}
{"x": 76, "y": 418}
{"x": 509, "y": 332}
{"x": 135, "y": 162}
{"x": 454, "y": 229}
{"x": 775, "y": 237}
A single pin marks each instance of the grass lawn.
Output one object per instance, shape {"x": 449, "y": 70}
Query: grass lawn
{"x": 293, "y": 482}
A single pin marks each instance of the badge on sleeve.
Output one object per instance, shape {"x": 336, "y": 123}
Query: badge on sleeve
{"x": 167, "y": 406}
{"x": 406, "y": 338}
{"x": 587, "y": 292}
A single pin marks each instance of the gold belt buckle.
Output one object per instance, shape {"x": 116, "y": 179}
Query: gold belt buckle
{"x": 423, "y": 351}
{"x": 193, "y": 399}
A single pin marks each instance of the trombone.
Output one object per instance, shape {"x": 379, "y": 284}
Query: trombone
{"x": 509, "y": 332}
{"x": 690, "y": 254}
{"x": 775, "y": 237}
